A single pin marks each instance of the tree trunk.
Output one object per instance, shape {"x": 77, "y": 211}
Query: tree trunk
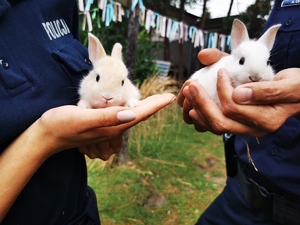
{"x": 181, "y": 68}
{"x": 230, "y": 7}
{"x": 167, "y": 56}
{"x": 133, "y": 30}
{"x": 203, "y": 16}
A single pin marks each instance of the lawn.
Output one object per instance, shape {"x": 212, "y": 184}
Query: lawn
{"x": 172, "y": 175}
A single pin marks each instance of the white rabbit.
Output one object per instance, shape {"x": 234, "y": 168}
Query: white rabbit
{"x": 107, "y": 83}
{"x": 248, "y": 61}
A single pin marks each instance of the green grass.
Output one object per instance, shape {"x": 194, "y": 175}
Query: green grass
{"x": 173, "y": 174}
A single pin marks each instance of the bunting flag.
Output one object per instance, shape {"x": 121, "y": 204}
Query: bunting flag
{"x": 165, "y": 27}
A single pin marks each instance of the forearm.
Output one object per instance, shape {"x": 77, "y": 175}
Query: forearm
{"x": 19, "y": 161}
{"x": 63, "y": 128}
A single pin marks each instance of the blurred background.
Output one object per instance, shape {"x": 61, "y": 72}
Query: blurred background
{"x": 166, "y": 173}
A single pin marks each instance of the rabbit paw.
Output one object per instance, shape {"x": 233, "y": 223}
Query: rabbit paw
{"x": 132, "y": 102}
{"x": 83, "y": 104}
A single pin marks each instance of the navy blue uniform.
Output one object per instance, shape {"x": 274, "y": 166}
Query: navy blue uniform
{"x": 41, "y": 64}
{"x": 277, "y": 155}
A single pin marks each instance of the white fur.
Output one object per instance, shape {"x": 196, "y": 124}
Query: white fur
{"x": 255, "y": 53}
{"x": 108, "y": 91}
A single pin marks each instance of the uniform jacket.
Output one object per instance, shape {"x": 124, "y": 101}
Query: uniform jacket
{"x": 41, "y": 64}
{"x": 277, "y": 154}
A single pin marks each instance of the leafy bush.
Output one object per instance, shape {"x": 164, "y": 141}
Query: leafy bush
{"x": 146, "y": 55}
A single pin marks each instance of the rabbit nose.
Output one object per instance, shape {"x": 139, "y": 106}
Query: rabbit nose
{"x": 107, "y": 99}
{"x": 254, "y": 77}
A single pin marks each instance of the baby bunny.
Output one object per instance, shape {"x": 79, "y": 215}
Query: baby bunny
{"x": 107, "y": 83}
{"x": 248, "y": 62}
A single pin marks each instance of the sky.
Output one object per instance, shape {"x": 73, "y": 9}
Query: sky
{"x": 219, "y": 8}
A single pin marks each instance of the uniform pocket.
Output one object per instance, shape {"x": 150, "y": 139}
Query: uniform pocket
{"x": 74, "y": 59}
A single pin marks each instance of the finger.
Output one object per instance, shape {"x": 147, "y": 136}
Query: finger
{"x": 230, "y": 109}
{"x": 116, "y": 145}
{"x": 86, "y": 119}
{"x": 242, "y": 114}
{"x": 146, "y": 108}
{"x": 151, "y": 105}
{"x": 99, "y": 150}
{"x": 143, "y": 111}
{"x": 248, "y": 114}
{"x": 186, "y": 112}
{"x": 210, "y": 56}
{"x": 106, "y": 117}
{"x": 112, "y": 147}
{"x": 224, "y": 88}
{"x": 192, "y": 112}
{"x": 267, "y": 92}
{"x": 102, "y": 150}
{"x": 181, "y": 97}
{"x": 190, "y": 115}
{"x": 113, "y": 116}
{"x": 290, "y": 73}
{"x": 202, "y": 104}
{"x": 88, "y": 150}
{"x": 212, "y": 118}
{"x": 198, "y": 121}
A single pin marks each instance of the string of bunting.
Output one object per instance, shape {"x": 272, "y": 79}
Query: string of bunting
{"x": 113, "y": 11}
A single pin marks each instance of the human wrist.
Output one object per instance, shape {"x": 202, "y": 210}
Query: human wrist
{"x": 41, "y": 141}
{"x": 21, "y": 159}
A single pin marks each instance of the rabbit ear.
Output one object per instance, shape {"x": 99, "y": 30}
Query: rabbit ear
{"x": 239, "y": 33}
{"x": 268, "y": 37}
{"x": 117, "y": 51}
{"x": 96, "y": 50}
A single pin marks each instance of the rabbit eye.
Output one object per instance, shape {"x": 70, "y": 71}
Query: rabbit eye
{"x": 97, "y": 78}
{"x": 122, "y": 82}
{"x": 242, "y": 61}
{"x": 268, "y": 62}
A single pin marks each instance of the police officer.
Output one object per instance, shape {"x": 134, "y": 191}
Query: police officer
{"x": 268, "y": 110}
{"x": 43, "y": 176}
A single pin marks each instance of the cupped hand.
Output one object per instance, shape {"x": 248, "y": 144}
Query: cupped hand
{"x": 253, "y": 109}
{"x": 205, "y": 115}
{"x": 210, "y": 56}
{"x": 206, "y": 57}
{"x": 282, "y": 93}
{"x": 103, "y": 149}
{"x": 98, "y": 132}
{"x": 252, "y": 119}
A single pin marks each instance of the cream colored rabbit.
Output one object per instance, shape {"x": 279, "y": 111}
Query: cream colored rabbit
{"x": 107, "y": 84}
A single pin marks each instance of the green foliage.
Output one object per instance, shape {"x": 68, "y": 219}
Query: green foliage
{"x": 117, "y": 32}
{"x": 174, "y": 174}
{"x": 254, "y": 18}
{"x": 146, "y": 55}
{"x": 108, "y": 35}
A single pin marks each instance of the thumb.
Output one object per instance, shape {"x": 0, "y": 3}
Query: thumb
{"x": 125, "y": 116}
{"x": 242, "y": 95}
{"x": 210, "y": 56}
{"x": 102, "y": 117}
{"x": 112, "y": 116}
{"x": 266, "y": 92}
